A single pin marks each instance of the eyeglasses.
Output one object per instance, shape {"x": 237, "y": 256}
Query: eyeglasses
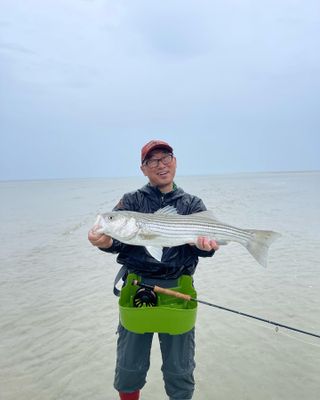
{"x": 154, "y": 162}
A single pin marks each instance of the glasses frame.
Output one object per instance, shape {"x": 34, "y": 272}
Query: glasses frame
{"x": 157, "y": 161}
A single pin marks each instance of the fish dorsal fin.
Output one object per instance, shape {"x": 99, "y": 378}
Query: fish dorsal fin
{"x": 207, "y": 215}
{"x": 167, "y": 210}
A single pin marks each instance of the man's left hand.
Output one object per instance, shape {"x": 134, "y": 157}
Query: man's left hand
{"x": 203, "y": 243}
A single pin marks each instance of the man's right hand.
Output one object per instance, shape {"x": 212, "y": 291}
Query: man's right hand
{"x": 99, "y": 239}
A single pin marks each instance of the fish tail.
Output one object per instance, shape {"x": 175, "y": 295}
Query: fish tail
{"x": 259, "y": 244}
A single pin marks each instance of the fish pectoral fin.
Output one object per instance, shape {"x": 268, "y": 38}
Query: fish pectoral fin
{"x": 148, "y": 236}
{"x": 222, "y": 242}
{"x": 155, "y": 252}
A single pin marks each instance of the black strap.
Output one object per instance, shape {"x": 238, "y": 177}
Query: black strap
{"x": 122, "y": 272}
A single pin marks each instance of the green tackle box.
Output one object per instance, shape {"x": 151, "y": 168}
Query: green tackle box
{"x": 170, "y": 315}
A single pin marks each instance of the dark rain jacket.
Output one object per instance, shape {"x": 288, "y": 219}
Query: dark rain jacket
{"x": 177, "y": 260}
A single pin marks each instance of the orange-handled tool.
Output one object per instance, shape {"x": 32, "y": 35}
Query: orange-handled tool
{"x": 162, "y": 290}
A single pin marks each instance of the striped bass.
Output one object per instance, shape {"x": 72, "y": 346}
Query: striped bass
{"x": 167, "y": 228}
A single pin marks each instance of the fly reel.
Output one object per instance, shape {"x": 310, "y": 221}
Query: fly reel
{"x": 145, "y": 297}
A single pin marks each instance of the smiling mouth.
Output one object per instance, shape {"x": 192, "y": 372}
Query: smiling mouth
{"x": 162, "y": 173}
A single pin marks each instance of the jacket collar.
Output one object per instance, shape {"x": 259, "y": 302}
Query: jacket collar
{"x": 150, "y": 190}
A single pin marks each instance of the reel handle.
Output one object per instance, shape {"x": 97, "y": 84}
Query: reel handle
{"x": 162, "y": 290}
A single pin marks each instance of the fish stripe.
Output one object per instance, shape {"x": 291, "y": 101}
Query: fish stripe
{"x": 167, "y": 230}
{"x": 186, "y": 226}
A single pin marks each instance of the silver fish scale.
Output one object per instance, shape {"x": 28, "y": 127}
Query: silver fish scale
{"x": 175, "y": 225}
{"x": 166, "y": 228}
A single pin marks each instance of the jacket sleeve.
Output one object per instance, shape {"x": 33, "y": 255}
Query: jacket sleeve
{"x": 197, "y": 205}
{"x": 124, "y": 204}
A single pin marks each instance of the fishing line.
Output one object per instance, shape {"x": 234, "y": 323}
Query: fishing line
{"x": 186, "y": 297}
{"x": 299, "y": 339}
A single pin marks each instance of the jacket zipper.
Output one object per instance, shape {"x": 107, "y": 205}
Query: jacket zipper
{"x": 162, "y": 201}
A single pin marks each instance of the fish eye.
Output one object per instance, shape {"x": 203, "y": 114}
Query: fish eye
{"x": 110, "y": 218}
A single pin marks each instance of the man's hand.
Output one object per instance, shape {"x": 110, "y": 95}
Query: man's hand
{"x": 203, "y": 243}
{"x": 99, "y": 239}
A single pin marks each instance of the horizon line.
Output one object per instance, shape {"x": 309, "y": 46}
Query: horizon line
{"x": 177, "y": 176}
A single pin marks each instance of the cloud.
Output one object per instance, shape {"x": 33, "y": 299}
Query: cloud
{"x": 208, "y": 74}
{"x": 15, "y": 48}
{"x": 174, "y": 29}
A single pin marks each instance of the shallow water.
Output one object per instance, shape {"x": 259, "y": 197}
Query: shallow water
{"x": 59, "y": 316}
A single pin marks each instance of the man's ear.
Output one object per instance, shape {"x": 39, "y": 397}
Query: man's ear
{"x": 143, "y": 170}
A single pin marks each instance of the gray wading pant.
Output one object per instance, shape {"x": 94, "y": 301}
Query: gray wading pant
{"x": 133, "y": 361}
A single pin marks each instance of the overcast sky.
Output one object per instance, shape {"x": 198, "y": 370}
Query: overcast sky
{"x": 233, "y": 85}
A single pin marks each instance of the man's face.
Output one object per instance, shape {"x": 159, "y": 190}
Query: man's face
{"x": 162, "y": 173}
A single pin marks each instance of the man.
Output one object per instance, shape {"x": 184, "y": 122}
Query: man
{"x": 158, "y": 164}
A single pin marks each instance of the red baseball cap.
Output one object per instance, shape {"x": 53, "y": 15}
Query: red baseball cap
{"x": 152, "y": 145}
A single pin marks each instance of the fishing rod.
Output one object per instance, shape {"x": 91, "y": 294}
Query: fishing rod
{"x": 145, "y": 299}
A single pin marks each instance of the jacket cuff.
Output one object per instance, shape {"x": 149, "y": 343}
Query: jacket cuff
{"x": 114, "y": 248}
